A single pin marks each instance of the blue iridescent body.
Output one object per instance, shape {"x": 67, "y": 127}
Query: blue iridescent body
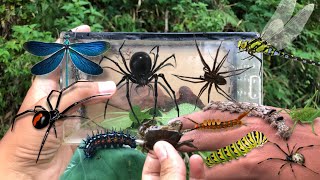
{"x": 76, "y": 52}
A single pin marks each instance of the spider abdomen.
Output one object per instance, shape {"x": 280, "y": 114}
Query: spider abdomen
{"x": 140, "y": 64}
{"x": 216, "y": 79}
{"x": 41, "y": 119}
{"x": 298, "y": 158}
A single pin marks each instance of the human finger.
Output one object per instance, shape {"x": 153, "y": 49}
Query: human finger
{"x": 196, "y": 168}
{"x": 172, "y": 165}
{"x": 151, "y": 168}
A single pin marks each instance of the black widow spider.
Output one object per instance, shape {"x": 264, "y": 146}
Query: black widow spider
{"x": 213, "y": 76}
{"x": 142, "y": 72}
{"x": 43, "y": 117}
{"x": 291, "y": 157}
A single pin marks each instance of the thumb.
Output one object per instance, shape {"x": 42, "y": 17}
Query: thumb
{"x": 172, "y": 165}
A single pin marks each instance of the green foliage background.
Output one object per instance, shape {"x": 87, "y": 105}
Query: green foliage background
{"x": 286, "y": 84}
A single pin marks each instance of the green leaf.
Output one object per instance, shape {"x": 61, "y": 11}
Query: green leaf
{"x": 184, "y": 109}
{"x": 119, "y": 122}
{"x": 120, "y": 163}
{"x": 141, "y": 114}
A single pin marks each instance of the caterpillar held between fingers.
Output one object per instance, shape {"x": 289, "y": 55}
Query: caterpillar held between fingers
{"x": 237, "y": 149}
{"x": 106, "y": 140}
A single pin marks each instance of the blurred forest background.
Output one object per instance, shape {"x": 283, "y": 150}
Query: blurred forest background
{"x": 286, "y": 83}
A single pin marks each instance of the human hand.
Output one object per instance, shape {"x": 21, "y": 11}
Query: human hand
{"x": 247, "y": 167}
{"x": 164, "y": 162}
{"x": 19, "y": 148}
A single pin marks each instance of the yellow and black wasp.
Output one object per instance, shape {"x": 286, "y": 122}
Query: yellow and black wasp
{"x": 281, "y": 30}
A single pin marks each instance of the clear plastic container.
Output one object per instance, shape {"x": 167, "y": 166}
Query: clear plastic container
{"x": 245, "y": 87}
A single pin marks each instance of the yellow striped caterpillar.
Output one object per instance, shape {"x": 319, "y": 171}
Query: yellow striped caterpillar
{"x": 237, "y": 149}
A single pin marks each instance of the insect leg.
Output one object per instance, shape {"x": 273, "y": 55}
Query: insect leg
{"x": 48, "y": 98}
{"x": 293, "y": 171}
{"x": 279, "y": 148}
{"x": 162, "y": 64}
{"x": 105, "y": 107}
{"x": 248, "y": 57}
{"x": 216, "y": 58}
{"x": 128, "y": 98}
{"x": 312, "y": 126}
{"x": 209, "y": 91}
{"x": 155, "y": 57}
{"x": 305, "y": 147}
{"x": 242, "y": 70}
{"x": 187, "y": 143}
{"x": 83, "y": 100}
{"x": 25, "y": 112}
{"x": 166, "y": 89}
{"x": 202, "y": 59}
{"x": 221, "y": 62}
{"x": 283, "y": 166}
{"x": 117, "y": 64}
{"x": 113, "y": 69}
{"x": 45, "y": 138}
{"x": 123, "y": 59}
{"x": 73, "y": 116}
{"x": 64, "y": 89}
{"x": 200, "y": 93}
{"x": 172, "y": 91}
{"x": 271, "y": 159}
{"x": 183, "y": 78}
{"x": 309, "y": 168}
{"x": 260, "y": 60}
{"x": 224, "y": 94}
{"x": 55, "y": 131}
{"x": 155, "y": 95}
{"x": 291, "y": 149}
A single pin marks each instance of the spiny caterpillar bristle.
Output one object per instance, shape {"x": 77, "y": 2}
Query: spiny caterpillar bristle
{"x": 106, "y": 139}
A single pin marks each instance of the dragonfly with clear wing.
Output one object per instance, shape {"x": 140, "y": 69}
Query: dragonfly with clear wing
{"x": 279, "y": 32}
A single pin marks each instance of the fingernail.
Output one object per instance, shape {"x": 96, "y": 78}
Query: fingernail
{"x": 106, "y": 87}
{"x": 160, "y": 150}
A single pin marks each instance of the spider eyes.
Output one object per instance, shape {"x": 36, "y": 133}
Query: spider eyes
{"x": 41, "y": 119}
